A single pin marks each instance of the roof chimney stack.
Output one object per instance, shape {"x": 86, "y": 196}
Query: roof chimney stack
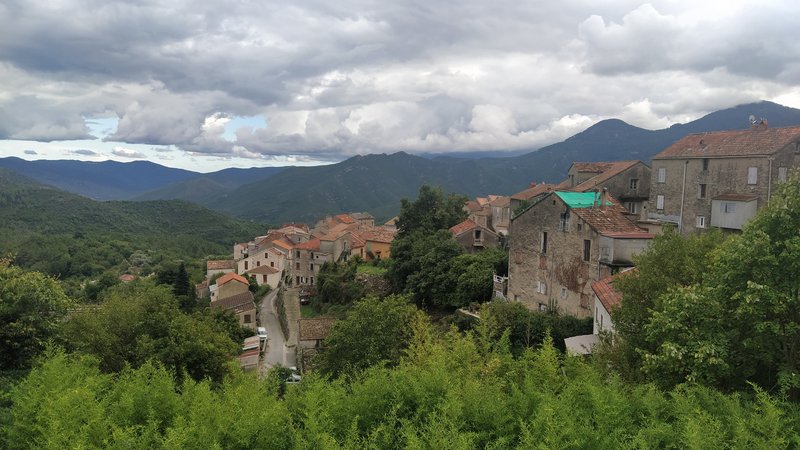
{"x": 603, "y": 197}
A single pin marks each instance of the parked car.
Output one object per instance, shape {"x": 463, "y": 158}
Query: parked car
{"x": 294, "y": 377}
{"x": 262, "y": 333}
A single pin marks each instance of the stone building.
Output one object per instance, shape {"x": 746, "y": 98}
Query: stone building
{"x": 720, "y": 178}
{"x": 474, "y": 237}
{"x": 562, "y": 243}
{"x": 626, "y": 181}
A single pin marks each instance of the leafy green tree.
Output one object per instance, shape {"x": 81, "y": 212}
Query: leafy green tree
{"x": 336, "y": 284}
{"x": 431, "y": 211}
{"x": 375, "y": 331}
{"x": 32, "y": 307}
{"x": 140, "y": 321}
{"x": 422, "y": 266}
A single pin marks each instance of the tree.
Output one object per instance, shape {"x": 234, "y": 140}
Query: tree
{"x": 422, "y": 266}
{"x": 431, "y": 211}
{"x": 336, "y": 283}
{"x": 32, "y": 307}
{"x": 140, "y": 321}
{"x": 375, "y": 331}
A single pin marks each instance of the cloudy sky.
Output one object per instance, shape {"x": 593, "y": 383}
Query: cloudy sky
{"x": 207, "y": 85}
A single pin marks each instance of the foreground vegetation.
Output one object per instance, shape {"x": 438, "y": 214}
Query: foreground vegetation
{"x": 452, "y": 391}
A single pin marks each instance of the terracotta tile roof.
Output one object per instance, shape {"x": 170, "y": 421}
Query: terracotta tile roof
{"x": 297, "y": 225}
{"x": 501, "y": 201}
{"x": 732, "y": 143}
{"x": 631, "y": 235}
{"x": 736, "y": 197}
{"x": 238, "y": 303}
{"x": 230, "y": 277}
{"x": 275, "y": 251}
{"x": 533, "y": 191}
{"x": 591, "y": 167}
{"x": 605, "y": 292}
{"x": 608, "y": 219}
{"x": 312, "y": 245}
{"x": 564, "y": 185}
{"x": 221, "y": 264}
{"x": 284, "y": 244}
{"x": 263, "y": 270}
{"x": 473, "y": 206}
{"x": 614, "y": 169}
{"x": 127, "y": 278}
{"x": 463, "y": 227}
{"x": 315, "y": 329}
{"x": 392, "y": 221}
{"x": 377, "y": 235}
{"x": 361, "y": 215}
{"x": 356, "y": 241}
{"x": 345, "y": 218}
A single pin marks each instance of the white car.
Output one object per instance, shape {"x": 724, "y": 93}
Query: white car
{"x": 262, "y": 333}
{"x": 294, "y": 377}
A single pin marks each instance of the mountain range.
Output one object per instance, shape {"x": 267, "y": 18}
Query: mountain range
{"x": 376, "y": 183}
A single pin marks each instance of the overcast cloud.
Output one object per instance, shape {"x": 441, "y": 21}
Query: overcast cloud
{"x": 334, "y": 79}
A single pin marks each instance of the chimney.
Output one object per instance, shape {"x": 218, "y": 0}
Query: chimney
{"x": 603, "y": 197}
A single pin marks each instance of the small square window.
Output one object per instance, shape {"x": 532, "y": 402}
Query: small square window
{"x": 634, "y": 184}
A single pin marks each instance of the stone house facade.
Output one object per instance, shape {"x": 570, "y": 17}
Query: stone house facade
{"x": 474, "y": 237}
{"x": 720, "y": 178}
{"x": 565, "y": 241}
{"x": 626, "y": 181}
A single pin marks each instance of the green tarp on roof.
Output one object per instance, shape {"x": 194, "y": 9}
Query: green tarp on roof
{"x": 579, "y": 199}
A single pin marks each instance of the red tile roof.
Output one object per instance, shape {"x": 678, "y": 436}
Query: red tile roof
{"x": 591, "y": 167}
{"x": 265, "y": 270}
{"x": 463, "y": 227}
{"x": 533, "y": 191}
{"x": 221, "y": 265}
{"x": 284, "y": 243}
{"x": 237, "y": 303}
{"x": 614, "y": 169}
{"x": 345, "y": 218}
{"x": 473, "y": 206}
{"x": 736, "y": 197}
{"x": 312, "y": 245}
{"x": 732, "y": 143}
{"x": 315, "y": 329}
{"x": 500, "y": 201}
{"x": 231, "y": 276}
{"x": 604, "y": 290}
{"x": 608, "y": 219}
{"x": 376, "y": 235}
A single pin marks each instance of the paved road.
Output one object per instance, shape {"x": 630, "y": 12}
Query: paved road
{"x": 275, "y": 352}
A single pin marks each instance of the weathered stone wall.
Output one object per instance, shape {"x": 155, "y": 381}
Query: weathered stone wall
{"x": 723, "y": 176}
{"x": 567, "y": 277}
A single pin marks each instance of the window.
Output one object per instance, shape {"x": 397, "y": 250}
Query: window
{"x": 728, "y": 207}
{"x": 587, "y": 249}
{"x": 245, "y": 265}
{"x": 247, "y": 318}
{"x": 263, "y": 278}
{"x": 705, "y": 163}
{"x": 782, "y": 174}
{"x": 311, "y": 267}
{"x": 541, "y": 287}
{"x": 258, "y": 263}
{"x": 563, "y": 292}
{"x": 542, "y": 307}
{"x": 580, "y": 226}
{"x": 544, "y": 242}
{"x": 266, "y": 255}
{"x": 477, "y": 235}
{"x": 701, "y": 191}
{"x": 662, "y": 174}
{"x": 297, "y": 266}
{"x": 298, "y": 279}
{"x": 312, "y": 280}
{"x": 660, "y": 202}
{"x": 634, "y": 184}
{"x": 752, "y": 175}
{"x": 272, "y": 263}
{"x": 701, "y": 221}
{"x": 632, "y": 207}
{"x": 297, "y": 253}
{"x": 563, "y": 223}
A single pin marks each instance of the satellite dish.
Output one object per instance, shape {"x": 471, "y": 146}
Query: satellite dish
{"x": 752, "y": 119}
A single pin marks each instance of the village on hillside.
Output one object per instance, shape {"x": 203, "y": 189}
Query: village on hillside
{"x": 566, "y": 243}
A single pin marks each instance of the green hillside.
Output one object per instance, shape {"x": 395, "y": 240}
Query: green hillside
{"x": 70, "y": 236}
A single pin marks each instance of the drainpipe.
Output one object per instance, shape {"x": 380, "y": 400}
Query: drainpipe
{"x": 683, "y": 196}
{"x": 769, "y": 180}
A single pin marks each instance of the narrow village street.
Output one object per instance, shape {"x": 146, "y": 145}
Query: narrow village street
{"x": 279, "y": 351}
